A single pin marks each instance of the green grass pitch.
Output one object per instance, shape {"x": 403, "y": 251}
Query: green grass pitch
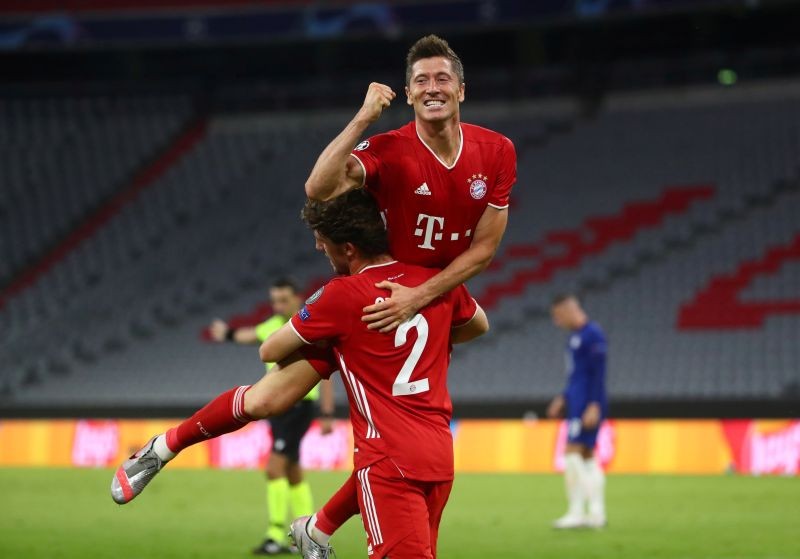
{"x": 68, "y": 513}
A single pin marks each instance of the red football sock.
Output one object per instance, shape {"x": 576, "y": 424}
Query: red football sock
{"x": 221, "y": 415}
{"x": 339, "y": 508}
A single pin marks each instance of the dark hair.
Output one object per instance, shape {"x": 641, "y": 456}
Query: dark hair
{"x": 352, "y": 217}
{"x": 561, "y": 297}
{"x": 428, "y": 47}
{"x": 286, "y": 283}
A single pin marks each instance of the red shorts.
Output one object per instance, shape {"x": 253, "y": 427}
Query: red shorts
{"x": 401, "y": 516}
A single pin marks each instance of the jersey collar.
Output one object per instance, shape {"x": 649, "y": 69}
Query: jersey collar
{"x": 458, "y": 155}
{"x": 365, "y": 268}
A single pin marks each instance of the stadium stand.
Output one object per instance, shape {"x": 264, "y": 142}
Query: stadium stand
{"x": 63, "y": 157}
{"x": 638, "y": 207}
{"x": 719, "y": 304}
{"x": 748, "y": 151}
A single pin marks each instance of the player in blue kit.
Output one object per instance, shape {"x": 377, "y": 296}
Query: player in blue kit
{"x": 586, "y": 405}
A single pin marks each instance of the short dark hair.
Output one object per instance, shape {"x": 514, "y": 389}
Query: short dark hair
{"x": 561, "y": 297}
{"x": 428, "y": 47}
{"x": 352, "y": 217}
{"x": 286, "y": 283}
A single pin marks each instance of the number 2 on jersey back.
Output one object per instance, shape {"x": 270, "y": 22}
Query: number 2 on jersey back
{"x": 402, "y": 386}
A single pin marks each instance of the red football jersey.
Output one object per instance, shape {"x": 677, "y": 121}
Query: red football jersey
{"x": 431, "y": 210}
{"x": 396, "y": 383}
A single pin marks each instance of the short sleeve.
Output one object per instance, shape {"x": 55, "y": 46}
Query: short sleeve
{"x": 369, "y": 154}
{"x": 321, "y": 359}
{"x": 506, "y": 175}
{"x": 323, "y": 315}
{"x": 464, "y": 306}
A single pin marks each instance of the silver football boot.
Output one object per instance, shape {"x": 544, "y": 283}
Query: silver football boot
{"x": 306, "y": 546}
{"x": 135, "y": 473}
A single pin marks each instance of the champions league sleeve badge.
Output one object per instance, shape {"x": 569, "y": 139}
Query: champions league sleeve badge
{"x": 315, "y": 297}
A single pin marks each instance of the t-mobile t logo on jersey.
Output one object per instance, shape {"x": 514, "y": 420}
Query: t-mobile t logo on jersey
{"x": 431, "y": 221}
{"x": 432, "y": 229}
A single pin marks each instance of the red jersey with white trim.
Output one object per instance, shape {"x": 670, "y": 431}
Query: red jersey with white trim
{"x": 431, "y": 210}
{"x": 396, "y": 383}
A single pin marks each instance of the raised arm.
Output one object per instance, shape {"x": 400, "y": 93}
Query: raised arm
{"x": 335, "y": 172}
{"x": 405, "y": 302}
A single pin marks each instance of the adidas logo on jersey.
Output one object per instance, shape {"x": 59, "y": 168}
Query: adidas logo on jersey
{"x": 423, "y": 190}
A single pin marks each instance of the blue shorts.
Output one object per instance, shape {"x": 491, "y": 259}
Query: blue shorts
{"x": 576, "y": 434}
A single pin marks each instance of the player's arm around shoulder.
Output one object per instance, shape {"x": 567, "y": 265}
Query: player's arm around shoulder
{"x": 488, "y": 234}
{"x": 406, "y": 301}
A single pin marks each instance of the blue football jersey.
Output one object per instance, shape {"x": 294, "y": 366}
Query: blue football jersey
{"x": 586, "y": 369}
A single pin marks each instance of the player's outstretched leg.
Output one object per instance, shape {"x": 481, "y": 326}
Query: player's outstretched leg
{"x": 299, "y": 533}
{"x": 222, "y": 415}
{"x": 135, "y": 473}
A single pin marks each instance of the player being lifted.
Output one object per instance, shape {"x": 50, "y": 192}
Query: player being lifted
{"x": 396, "y": 384}
{"x": 585, "y": 403}
{"x": 443, "y": 189}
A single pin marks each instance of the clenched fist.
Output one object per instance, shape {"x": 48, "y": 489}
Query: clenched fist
{"x": 379, "y": 97}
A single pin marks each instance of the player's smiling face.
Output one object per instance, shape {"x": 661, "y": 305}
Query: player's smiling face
{"x": 337, "y": 254}
{"x": 434, "y": 90}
